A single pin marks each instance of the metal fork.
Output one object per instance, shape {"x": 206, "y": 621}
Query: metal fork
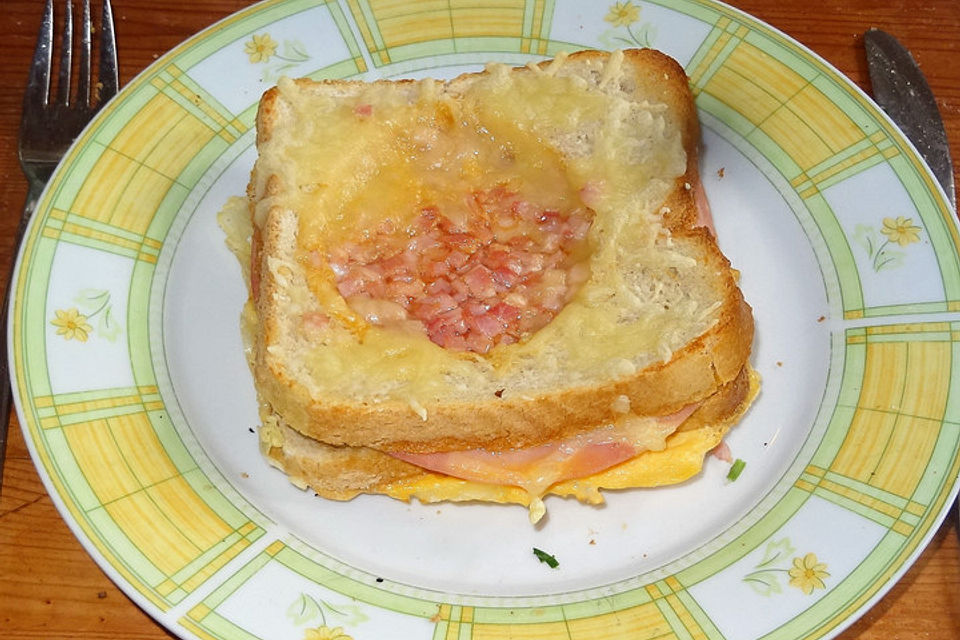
{"x": 48, "y": 128}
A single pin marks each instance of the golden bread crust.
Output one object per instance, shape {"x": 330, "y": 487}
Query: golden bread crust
{"x": 697, "y": 371}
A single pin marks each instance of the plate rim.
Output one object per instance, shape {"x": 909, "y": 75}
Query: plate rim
{"x": 44, "y": 205}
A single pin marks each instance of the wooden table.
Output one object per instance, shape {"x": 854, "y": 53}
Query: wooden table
{"x": 50, "y": 588}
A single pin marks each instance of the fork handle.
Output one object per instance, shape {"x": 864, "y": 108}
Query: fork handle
{"x": 6, "y": 391}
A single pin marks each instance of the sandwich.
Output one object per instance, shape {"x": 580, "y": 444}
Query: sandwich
{"x": 493, "y": 288}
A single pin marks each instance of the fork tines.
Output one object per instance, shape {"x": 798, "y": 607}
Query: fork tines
{"x": 85, "y": 94}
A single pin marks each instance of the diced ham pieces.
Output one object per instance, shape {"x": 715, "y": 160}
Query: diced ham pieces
{"x": 505, "y": 271}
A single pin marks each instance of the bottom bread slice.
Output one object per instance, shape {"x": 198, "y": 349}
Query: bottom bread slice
{"x": 341, "y": 473}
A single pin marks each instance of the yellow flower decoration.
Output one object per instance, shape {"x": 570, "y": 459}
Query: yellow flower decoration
{"x": 902, "y": 230}
{"x": 71, "y": 324}
{"x": 807, "y": 574}
{"x": 623, "y": 14}
{"x": 260, "y": 48}
{"x": 326, "y": 633}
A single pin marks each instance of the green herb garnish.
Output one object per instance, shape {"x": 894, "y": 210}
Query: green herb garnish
{"x": 546, "y": 558}
{"x": 736, "y": 469}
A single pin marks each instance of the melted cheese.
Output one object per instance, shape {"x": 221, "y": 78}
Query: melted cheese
{"x": 681, "y": 458}
{"x": 234, "y": 219}
{"x": 420, "y": 155}
{"x": 392, "y": 149}
{"x": 536, "y": 469}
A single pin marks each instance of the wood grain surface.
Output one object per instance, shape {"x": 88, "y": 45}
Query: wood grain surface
{"x": 50, "y": 588}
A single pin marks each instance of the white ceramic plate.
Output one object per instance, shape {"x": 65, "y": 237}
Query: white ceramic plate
{"x": 139, "y": 409}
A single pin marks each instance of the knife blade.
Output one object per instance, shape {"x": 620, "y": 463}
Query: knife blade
{"x": 901, "y": 90}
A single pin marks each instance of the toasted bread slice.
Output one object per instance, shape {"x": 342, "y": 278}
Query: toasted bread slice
{"x": 658, "y": 320}
{"x": 343, "y": 472}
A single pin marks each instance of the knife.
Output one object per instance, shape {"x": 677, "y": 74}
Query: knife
{"x": 903, "y": 93}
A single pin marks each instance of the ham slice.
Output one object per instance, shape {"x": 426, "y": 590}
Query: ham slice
{"x": 536, "y": 469}
{"x": 704, "y": 215}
